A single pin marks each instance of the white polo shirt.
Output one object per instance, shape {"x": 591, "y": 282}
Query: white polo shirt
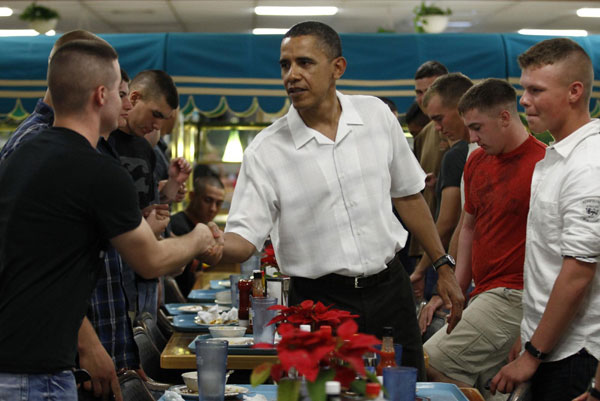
{"x": 564, "y": 220}
{"x": 327, "y": 205}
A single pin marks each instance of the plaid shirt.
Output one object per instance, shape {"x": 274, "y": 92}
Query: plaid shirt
{"x": 41, "y": 118}
{"x": 108, "y": 314}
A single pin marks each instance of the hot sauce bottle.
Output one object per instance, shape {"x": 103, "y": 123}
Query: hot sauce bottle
{"x": 244, "y": 287}
{"x": 387, "y": 355}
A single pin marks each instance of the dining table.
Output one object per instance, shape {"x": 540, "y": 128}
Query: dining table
{"x": 178, "y": 355}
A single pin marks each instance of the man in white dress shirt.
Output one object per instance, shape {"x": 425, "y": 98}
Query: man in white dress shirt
{"x": 319, "y": 182}
{"x": 561, "y": 302}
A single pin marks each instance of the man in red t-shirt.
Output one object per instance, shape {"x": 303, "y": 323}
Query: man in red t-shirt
{"x": 491, "y": 248}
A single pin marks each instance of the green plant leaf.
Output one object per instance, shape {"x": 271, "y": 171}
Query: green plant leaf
{"x": 316, "y": 389}
{"x": 288, "y": 390}
{"x": 260, "y": 374}
{"x": 35, "y": 12}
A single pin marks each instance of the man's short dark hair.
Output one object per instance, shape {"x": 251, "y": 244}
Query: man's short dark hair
{"x": 488, "y": 95}
{"x": 76, "y": 69}
{"x": 78, "y": 34}
{"x": 449, "y": 88}
{"x": 328, "y": 38}
{"x": 154, "y": 84}
{"x": 416, "y": 115}
{"x": 558, "y": 50}
{"x": 430, "y": 69}
{"x": 124, "y": 76}
{"x": 200, "y": 183}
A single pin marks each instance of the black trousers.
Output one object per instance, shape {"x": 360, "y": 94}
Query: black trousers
{"x": 387, "y": 303}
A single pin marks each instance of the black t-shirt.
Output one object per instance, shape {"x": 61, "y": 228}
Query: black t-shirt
{"x": 137, "y": 156}
{"x": 60, "y": 203}
{"x": 453, "y": 164}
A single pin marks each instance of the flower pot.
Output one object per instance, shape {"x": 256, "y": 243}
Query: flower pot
{"x": 43, "y": 26}
{"x": 434, "y": 23}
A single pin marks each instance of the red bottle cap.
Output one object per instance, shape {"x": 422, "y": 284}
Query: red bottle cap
{"x": 373, "y": 390}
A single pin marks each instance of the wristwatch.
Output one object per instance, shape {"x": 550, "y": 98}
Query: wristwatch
{"x": 536, "y": 353}
{"x": 444, "y": 260}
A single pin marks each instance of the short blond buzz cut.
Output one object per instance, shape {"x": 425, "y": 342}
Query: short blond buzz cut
{"x": 449, "y": 88}
{"x": 488, "y": 95}
{"x": 562, "y": 50}
{"x": 78, "y": 34}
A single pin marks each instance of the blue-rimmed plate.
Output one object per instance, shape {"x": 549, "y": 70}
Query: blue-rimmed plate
{"x": 203, "y": 295}
{"x": 179, "y": 309}
{"x": 186, "y": 323}
{"x": 231, "y": 391}
{"x": 440, "y": 392}
{"x": 235, "y": 349}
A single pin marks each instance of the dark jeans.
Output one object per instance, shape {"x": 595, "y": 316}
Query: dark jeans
{"x": 388, "y": 303}
{"x": 38, "y": 387}
{"x": 564, "y": 379}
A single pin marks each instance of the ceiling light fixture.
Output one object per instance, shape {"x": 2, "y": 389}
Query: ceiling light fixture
{"x": 6, "y": 12}
{"x": 282, "y": 11}
{"x": 459, "y": 24}
{"x": 554, "y": 32}
{"x": 270, "y": 31}
{"x": 589, "y": 12}
{"x": 18, "y": 32}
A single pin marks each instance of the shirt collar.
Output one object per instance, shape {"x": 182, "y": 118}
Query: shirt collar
{"x": 45, "y": 110}
{"x": 301, "y": 134}
{"x": 566, "y": 146}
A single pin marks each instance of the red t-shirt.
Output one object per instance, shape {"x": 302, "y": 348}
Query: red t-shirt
{"x": 497, "y": 189}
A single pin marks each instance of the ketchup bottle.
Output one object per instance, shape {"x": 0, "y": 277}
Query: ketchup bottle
{"x": 244, "y": 287}
{"x": 387, "y": 355}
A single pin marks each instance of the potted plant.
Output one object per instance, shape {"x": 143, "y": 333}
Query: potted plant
{"x": 41, "y": 19}
{"x": 430, "y": 18}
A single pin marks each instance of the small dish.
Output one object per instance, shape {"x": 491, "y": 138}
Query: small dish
{"x": 227, "y": 331}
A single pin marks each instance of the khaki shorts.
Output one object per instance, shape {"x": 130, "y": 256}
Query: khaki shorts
{"x": 479, "y": 344}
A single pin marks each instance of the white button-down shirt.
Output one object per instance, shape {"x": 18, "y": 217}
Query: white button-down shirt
{"x": 564, "y": 220}
{"x": 327, "y": 205}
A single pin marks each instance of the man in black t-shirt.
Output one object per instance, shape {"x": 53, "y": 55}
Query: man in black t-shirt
{"x": 55, "y": 223}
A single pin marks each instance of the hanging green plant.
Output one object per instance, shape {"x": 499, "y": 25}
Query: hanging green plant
{"x": 424, "y": 11}
{"x": 35, "y": 12}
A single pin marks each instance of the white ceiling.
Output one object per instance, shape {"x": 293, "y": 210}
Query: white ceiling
{"x": 139, "y": 16}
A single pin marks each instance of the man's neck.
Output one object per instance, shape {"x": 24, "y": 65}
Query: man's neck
{"x": 47, "y": 98}
{"x": 85, "y": 128}
{"x": 571, "y": 125}
{"x": 517, "y": 138}
{"x": 324, "y": 118}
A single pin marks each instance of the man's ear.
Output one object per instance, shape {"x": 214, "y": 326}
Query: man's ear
{"x": 339, "y": 67}
{"x": 99, "y": 95}
{"x": 134, "y": 97}
{"x": 575, "y": 91}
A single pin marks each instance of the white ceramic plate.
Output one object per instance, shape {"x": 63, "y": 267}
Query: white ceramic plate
{"x": 231, "y": 390}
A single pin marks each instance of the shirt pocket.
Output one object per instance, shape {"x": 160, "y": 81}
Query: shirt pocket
{"x": 549, "y": 221}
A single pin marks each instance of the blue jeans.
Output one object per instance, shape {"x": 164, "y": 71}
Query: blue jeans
{"x": 564, "y": 379}
{"x": 38, "y": 387}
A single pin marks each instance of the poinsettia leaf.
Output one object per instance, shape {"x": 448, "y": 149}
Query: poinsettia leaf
{"x": 347, "y": 329}
{"x": 345, "y": 376}
{"x": 358, "y": 386}
{"x": 288, "y": 390}
{"x": 316, "y": 388}
{"x": 260, "y": 374}
{"x": 307, "y": 304}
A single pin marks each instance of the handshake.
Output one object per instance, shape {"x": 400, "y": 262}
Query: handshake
{"x": 212, "y": 243}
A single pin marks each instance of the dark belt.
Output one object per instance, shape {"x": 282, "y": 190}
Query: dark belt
{"x": 361, "y": 281}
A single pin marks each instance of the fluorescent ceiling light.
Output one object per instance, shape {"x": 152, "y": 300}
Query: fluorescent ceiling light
{"x": 5, "y": 12}
{"x": 554, "y": 32}
{"x": 18, "y": 32}
{"x": 270, "y": 31}
{"x": 589, "y": 12}
{"x": 267, "y": 10}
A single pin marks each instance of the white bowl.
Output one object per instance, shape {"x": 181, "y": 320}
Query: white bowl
{"x": 191, "y": 380}
{"x": 223, "y": 297}
{"x": 227, "y": 331}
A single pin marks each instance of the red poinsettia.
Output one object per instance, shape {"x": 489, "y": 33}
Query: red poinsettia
{"x": 310, "y": 313}
{"x": 268, "y": 256}
{"x": 311, "y": 352}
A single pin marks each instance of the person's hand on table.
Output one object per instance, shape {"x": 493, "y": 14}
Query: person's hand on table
{"x": 426, "y": 315}
{"x": 518, "y": 371}
{"x": 452, "y": 295}
{"x": 101, "y": 368}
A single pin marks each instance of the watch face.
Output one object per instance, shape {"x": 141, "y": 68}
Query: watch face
{"x": 451, "y": 259}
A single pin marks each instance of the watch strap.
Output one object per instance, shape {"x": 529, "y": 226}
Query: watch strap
{"x": 444, "y": 260}
{"x": 595, "y": 393}
{"x": 536, "y": 353}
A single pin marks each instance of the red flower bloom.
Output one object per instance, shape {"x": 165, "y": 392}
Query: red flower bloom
{"x": 310, "y": 313}
{"x": 268, "y": 256}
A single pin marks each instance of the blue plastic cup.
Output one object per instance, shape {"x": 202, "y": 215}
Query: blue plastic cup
{"x": 400, "y": 383}
{"x": 211, "y": 364}
{"x": 261, "y": 317}
{"x": 235, "y": 297}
